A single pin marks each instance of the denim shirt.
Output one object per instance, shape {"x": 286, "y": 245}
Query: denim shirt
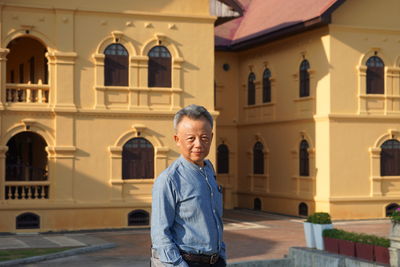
{"x": 186, "y": 212}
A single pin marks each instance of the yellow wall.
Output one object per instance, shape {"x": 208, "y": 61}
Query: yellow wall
{"x": 86, "y": 124}
{"x": 343, "y": 125}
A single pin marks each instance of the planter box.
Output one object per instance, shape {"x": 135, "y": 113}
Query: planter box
{"x": 318, "y": 229}
{"x": 365, "y": 251}
{"x": 331, "y": 245}
{"x": 309, "y": 234}
{"x": 347, "y": 248}
{"x": 382, "y": 254}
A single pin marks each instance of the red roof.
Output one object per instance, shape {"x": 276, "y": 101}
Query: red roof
{"x": 263, "y": 17}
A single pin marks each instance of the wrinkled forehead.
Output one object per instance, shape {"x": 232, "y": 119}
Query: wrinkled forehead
{"x": 198, "y": 125}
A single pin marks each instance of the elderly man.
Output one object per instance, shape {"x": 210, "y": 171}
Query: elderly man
{"x": 186, "y": 224}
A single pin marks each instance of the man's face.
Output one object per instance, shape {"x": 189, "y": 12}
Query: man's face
{"x": 193, "y": 138}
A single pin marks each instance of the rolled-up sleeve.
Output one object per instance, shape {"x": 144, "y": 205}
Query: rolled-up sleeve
{"x": 162, "y": 219}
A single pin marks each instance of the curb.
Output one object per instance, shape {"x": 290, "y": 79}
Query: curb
{"x": 56, "y": 255}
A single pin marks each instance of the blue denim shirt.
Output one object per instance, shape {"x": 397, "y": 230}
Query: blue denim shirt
{"x": 186, "y": 212}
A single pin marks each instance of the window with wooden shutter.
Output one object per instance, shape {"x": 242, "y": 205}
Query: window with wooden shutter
{"x": 251, "y": 89}
{"x": 116, "y": 65}
{"x": 223, "y": 159}
{"x": 304, "y": 78}
{"x": 258, "y": 158}
{"x": 304, "y": 161}
{"x": 159, "y": 72}
{"x": 390, "y": 158}
{"x": 266, "y": 86}
{"x": 137, "y": 159}
{"x": 375, "y": 75}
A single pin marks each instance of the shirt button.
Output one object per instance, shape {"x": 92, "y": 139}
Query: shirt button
{"x": 214, "y": 211}
{"x": 212, "y": 194}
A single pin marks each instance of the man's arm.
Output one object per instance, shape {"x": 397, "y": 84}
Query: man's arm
{"x": 162, "y": 219}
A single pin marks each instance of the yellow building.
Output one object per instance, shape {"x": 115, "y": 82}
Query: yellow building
{"x": 309, "y": 99}
{"x": 88, "y": 93}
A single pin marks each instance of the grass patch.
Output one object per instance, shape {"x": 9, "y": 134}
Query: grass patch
{"x": 13, "y": 254}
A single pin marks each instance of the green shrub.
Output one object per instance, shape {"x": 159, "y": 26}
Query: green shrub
{"x": 357, "y": 237}
{"x": 333, "y": 233}
{"x": 321, "y": 218}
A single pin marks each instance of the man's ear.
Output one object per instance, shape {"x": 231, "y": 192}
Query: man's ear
{"x": 176, "y": 138}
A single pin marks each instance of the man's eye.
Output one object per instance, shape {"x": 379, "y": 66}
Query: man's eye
{"x": 204, "y": 138}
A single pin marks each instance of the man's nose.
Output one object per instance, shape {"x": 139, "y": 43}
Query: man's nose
{"x": 197, "y": 142}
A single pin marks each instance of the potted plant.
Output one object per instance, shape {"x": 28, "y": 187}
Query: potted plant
{"x": 347, "y": 244}
{"x": 381, "y": 249}
{"x": 321, "y": 221}
{"x": 309, "y": 232}
{"x": 365, "y": 247}
{"x": 395, "y": 217}
{"x": 331, "y": 239}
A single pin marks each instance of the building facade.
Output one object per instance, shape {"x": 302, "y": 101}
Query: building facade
{"x": 88, "y": 93}
{"x": 308, "y": 93}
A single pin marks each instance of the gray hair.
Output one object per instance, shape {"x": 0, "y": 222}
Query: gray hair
{"x": 193, "y": 112}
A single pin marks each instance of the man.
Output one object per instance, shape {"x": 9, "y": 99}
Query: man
{"x": 186, "y": 221}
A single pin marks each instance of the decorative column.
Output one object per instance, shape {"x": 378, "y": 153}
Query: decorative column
{"x": 143, "y": 99}
{"x": 176, "y": 83}
{"x": 3, "y": 73}
{"x": 100, "y": 92}
{"x": 61, "y": 173}
{"x": 116, "y": 173}
{"x": 3, "y": 150}
{"x": 375, "y": 168}
{"x": 62, "y": 81}
{"x": 138, "y": 80}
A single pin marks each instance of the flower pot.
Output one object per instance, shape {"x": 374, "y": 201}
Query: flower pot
{"x": 331, "y": 245}
{"x": 365, "y": 251}
{"x": 347, "y": 248}
{"x": 318, "y": 229}
{"x": 395, "y": 231}
{"x": 382, "y": 254}
{"x": 309, "y": 234}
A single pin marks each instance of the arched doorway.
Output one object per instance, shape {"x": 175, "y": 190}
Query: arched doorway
{"x": 27, "y": 72}
{"x": 26, "y": 162}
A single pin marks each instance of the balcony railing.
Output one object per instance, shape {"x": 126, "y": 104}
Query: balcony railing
{"x": 27, "y": 93}
{"x": 26, "y": 190}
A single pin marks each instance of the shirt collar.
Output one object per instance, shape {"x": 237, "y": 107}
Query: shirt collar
{"x": 191, "y": 165}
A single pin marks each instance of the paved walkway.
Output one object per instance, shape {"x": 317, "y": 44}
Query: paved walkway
{"x": 249, "y": 235}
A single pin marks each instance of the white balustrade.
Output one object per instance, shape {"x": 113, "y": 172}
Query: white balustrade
{"x": 26, "y": 190}
{"x": 27, "y": 93}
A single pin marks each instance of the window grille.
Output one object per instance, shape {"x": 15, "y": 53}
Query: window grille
{"x": 137, "y": 159}
{"x": 159, "y": 72}
{"x": 251, "y": 89}
{"x": 304, "y": 79}
{"x": 138, "y": 218}
{"x": 375, "y": 75}
{"x": 266, "y": 86}
{"x": 116, "y": 65}
{"x": 223, "y": 159}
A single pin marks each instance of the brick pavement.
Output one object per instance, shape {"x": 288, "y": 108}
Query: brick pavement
{"x": 249, "y": 235}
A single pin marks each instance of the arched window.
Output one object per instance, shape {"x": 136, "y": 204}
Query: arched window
{"x": 251, "y": 89}
{"x": 303, "y": 209}
{"x": 390, "y": 158}
{"x": 116, "y": 65}
{"x": 375, "y": 75}
{"x": 26, "y": 158}
{"x": 391, "y": 208}
{"x": 138, "y": 217}
{"x": 266, "y": 86}
{"x": 257, "y": 204}
{"x": 137, "y": 159}
{"x": 159, "y": 73}
{"x": 27, "y": 220}
{"x": 223, "y": 159}
{"x": 258, "y": 158}
{"x": 304, "y": 162}
{"x": 304, "y": 78}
